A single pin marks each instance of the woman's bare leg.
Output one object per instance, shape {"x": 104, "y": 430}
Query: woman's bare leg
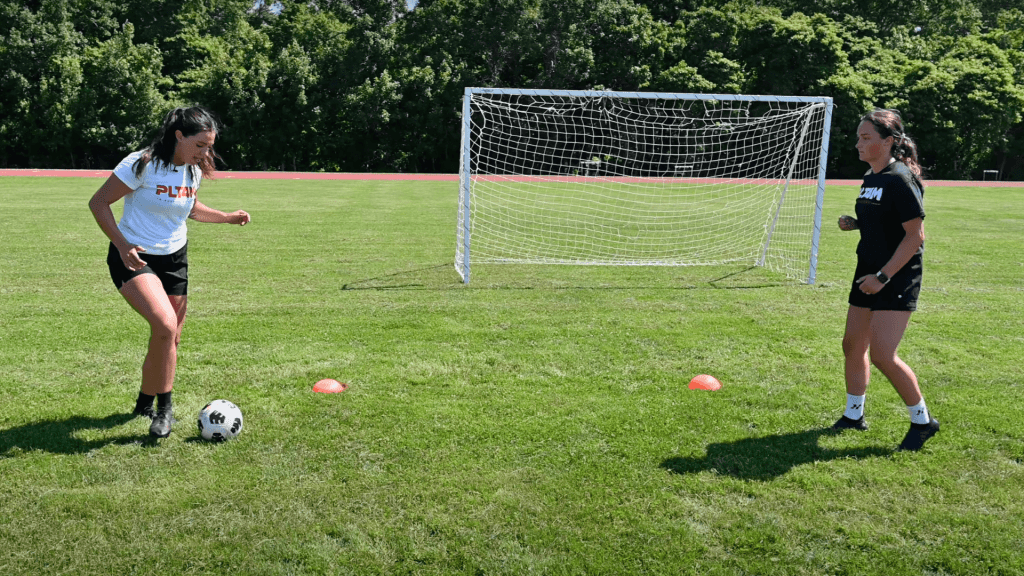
{"x": 146, "y": 295}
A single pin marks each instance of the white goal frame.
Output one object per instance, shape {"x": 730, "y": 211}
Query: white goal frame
{"x": 813, "y": 135}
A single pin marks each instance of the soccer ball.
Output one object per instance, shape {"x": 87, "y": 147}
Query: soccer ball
{"x": 220, "y": 420}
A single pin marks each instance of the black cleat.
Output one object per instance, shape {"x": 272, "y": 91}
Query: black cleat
{"x": 849, "y": 423}
{"x": 161, "y": 426}
{"x": 918, "y": 435}
{"x": 147, "y": 411}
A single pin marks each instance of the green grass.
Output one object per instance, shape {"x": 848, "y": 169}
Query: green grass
{"x": 535, "y": 421}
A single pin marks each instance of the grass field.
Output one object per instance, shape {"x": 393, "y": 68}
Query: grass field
{"x": 536, "y": 421}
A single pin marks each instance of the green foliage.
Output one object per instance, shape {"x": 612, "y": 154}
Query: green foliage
{"x": 1008, "y": 35}
{"x": 712, "y": 40}
{"x": 232, "y": 80}
{"x": 41, "y": 76}
{"x": 369, "y": 116}
{"x": 614, "y": 44}
{"x": 355, "y": 85}
{"x": 122, "y": 95}
{"x": 963, "y": 106}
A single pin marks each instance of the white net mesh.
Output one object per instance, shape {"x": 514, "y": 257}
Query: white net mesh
{"x": 613, "y": 179}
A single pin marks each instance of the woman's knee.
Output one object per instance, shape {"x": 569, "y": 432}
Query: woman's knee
{"x": 884, "y": 360}
{"x": 854, "y": 347}
{"x": 165, "y": 327}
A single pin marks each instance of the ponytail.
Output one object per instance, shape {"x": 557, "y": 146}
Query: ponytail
{"x": 905, "y": 150}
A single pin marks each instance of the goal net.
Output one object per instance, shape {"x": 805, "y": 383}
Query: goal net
{"x": 641, "y": 179}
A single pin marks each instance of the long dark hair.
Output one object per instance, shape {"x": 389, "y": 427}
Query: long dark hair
{"x": 889, "y": 123}
{"x": 190, "y": 121}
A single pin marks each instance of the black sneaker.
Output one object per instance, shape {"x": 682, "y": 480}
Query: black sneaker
{"x": 148, "y": 412}
{"x": 918, "y": 435}
{"x": 161, "y": 426}
{"x": 844, "y": 423}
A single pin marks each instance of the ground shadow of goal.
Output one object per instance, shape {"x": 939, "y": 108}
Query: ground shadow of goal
{"x": 422, "y": 278}
{"x": 443, "y": 276}
{"x": 768, "y": 457}
{"x": 61, "y": 436}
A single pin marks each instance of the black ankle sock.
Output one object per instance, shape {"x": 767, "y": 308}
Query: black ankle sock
{"x": 163, "y": 400}
{"x": 144, "y": 401}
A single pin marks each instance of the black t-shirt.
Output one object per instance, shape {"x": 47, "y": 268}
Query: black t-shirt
{"x": 886, "y": 201}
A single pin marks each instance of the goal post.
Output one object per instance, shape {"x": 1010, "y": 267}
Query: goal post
{"x": 641, "y": 179}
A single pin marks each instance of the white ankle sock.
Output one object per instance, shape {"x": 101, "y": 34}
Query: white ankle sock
{"x": 919, "y": 413}
{"x": 854, "y": 407}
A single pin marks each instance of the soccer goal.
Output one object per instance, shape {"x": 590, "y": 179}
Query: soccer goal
{"x": 641, "y": 179}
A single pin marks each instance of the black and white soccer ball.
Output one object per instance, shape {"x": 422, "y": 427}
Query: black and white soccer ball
{"x": 220, "y": 420}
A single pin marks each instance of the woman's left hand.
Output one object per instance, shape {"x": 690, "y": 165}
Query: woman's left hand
{"x": 240, "y": 217}
{"x": 870, "y": 284}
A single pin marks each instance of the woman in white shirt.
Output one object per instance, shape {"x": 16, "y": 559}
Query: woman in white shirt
{"x": 148, "y": 256}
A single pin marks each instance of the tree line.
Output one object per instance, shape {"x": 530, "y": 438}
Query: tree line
{"x": 371, "y": 86}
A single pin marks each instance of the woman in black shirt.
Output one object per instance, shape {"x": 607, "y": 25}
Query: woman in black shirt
{"x": 886, "y": 284}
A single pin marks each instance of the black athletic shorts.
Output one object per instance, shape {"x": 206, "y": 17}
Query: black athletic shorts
{"x": 172, "y": 269}
{"x": 900, "y": 294}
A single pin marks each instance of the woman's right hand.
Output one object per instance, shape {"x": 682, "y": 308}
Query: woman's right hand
{"x": 130, "y": 257}
{"x": 847, "y": 223}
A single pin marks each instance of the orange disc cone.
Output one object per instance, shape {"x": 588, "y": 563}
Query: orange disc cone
{"x": 329, "y": 385}
{"x": 705, "y": 382}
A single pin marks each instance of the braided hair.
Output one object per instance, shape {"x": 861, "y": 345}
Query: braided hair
{"x": 190, "y": 121}
{"x": 888, "y": 122}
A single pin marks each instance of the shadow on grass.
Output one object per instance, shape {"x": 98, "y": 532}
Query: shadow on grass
{"x": 768, "y": 457}
{"x": 403, "y": 279}
{"x": 444, "y": 277}
{"x": 60, "y": 436}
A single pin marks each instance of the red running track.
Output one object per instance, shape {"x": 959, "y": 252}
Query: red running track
{"x": 422, "y": 177}
{"x": 245, "y": 175}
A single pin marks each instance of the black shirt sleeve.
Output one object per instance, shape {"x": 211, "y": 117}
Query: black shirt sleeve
{"x": 907, "y": 200}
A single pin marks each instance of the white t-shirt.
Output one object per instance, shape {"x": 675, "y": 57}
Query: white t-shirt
{"x": 156, "y": 210}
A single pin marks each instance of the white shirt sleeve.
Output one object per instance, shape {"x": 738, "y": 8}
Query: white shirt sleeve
{"x": 125, "y": 171}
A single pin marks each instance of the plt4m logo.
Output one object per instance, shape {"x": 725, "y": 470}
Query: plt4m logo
{"x": 176, "y": 191}
{"x": 871, "y": 193}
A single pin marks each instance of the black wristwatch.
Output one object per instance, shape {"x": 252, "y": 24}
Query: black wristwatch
{"x": 882, "y": 277}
